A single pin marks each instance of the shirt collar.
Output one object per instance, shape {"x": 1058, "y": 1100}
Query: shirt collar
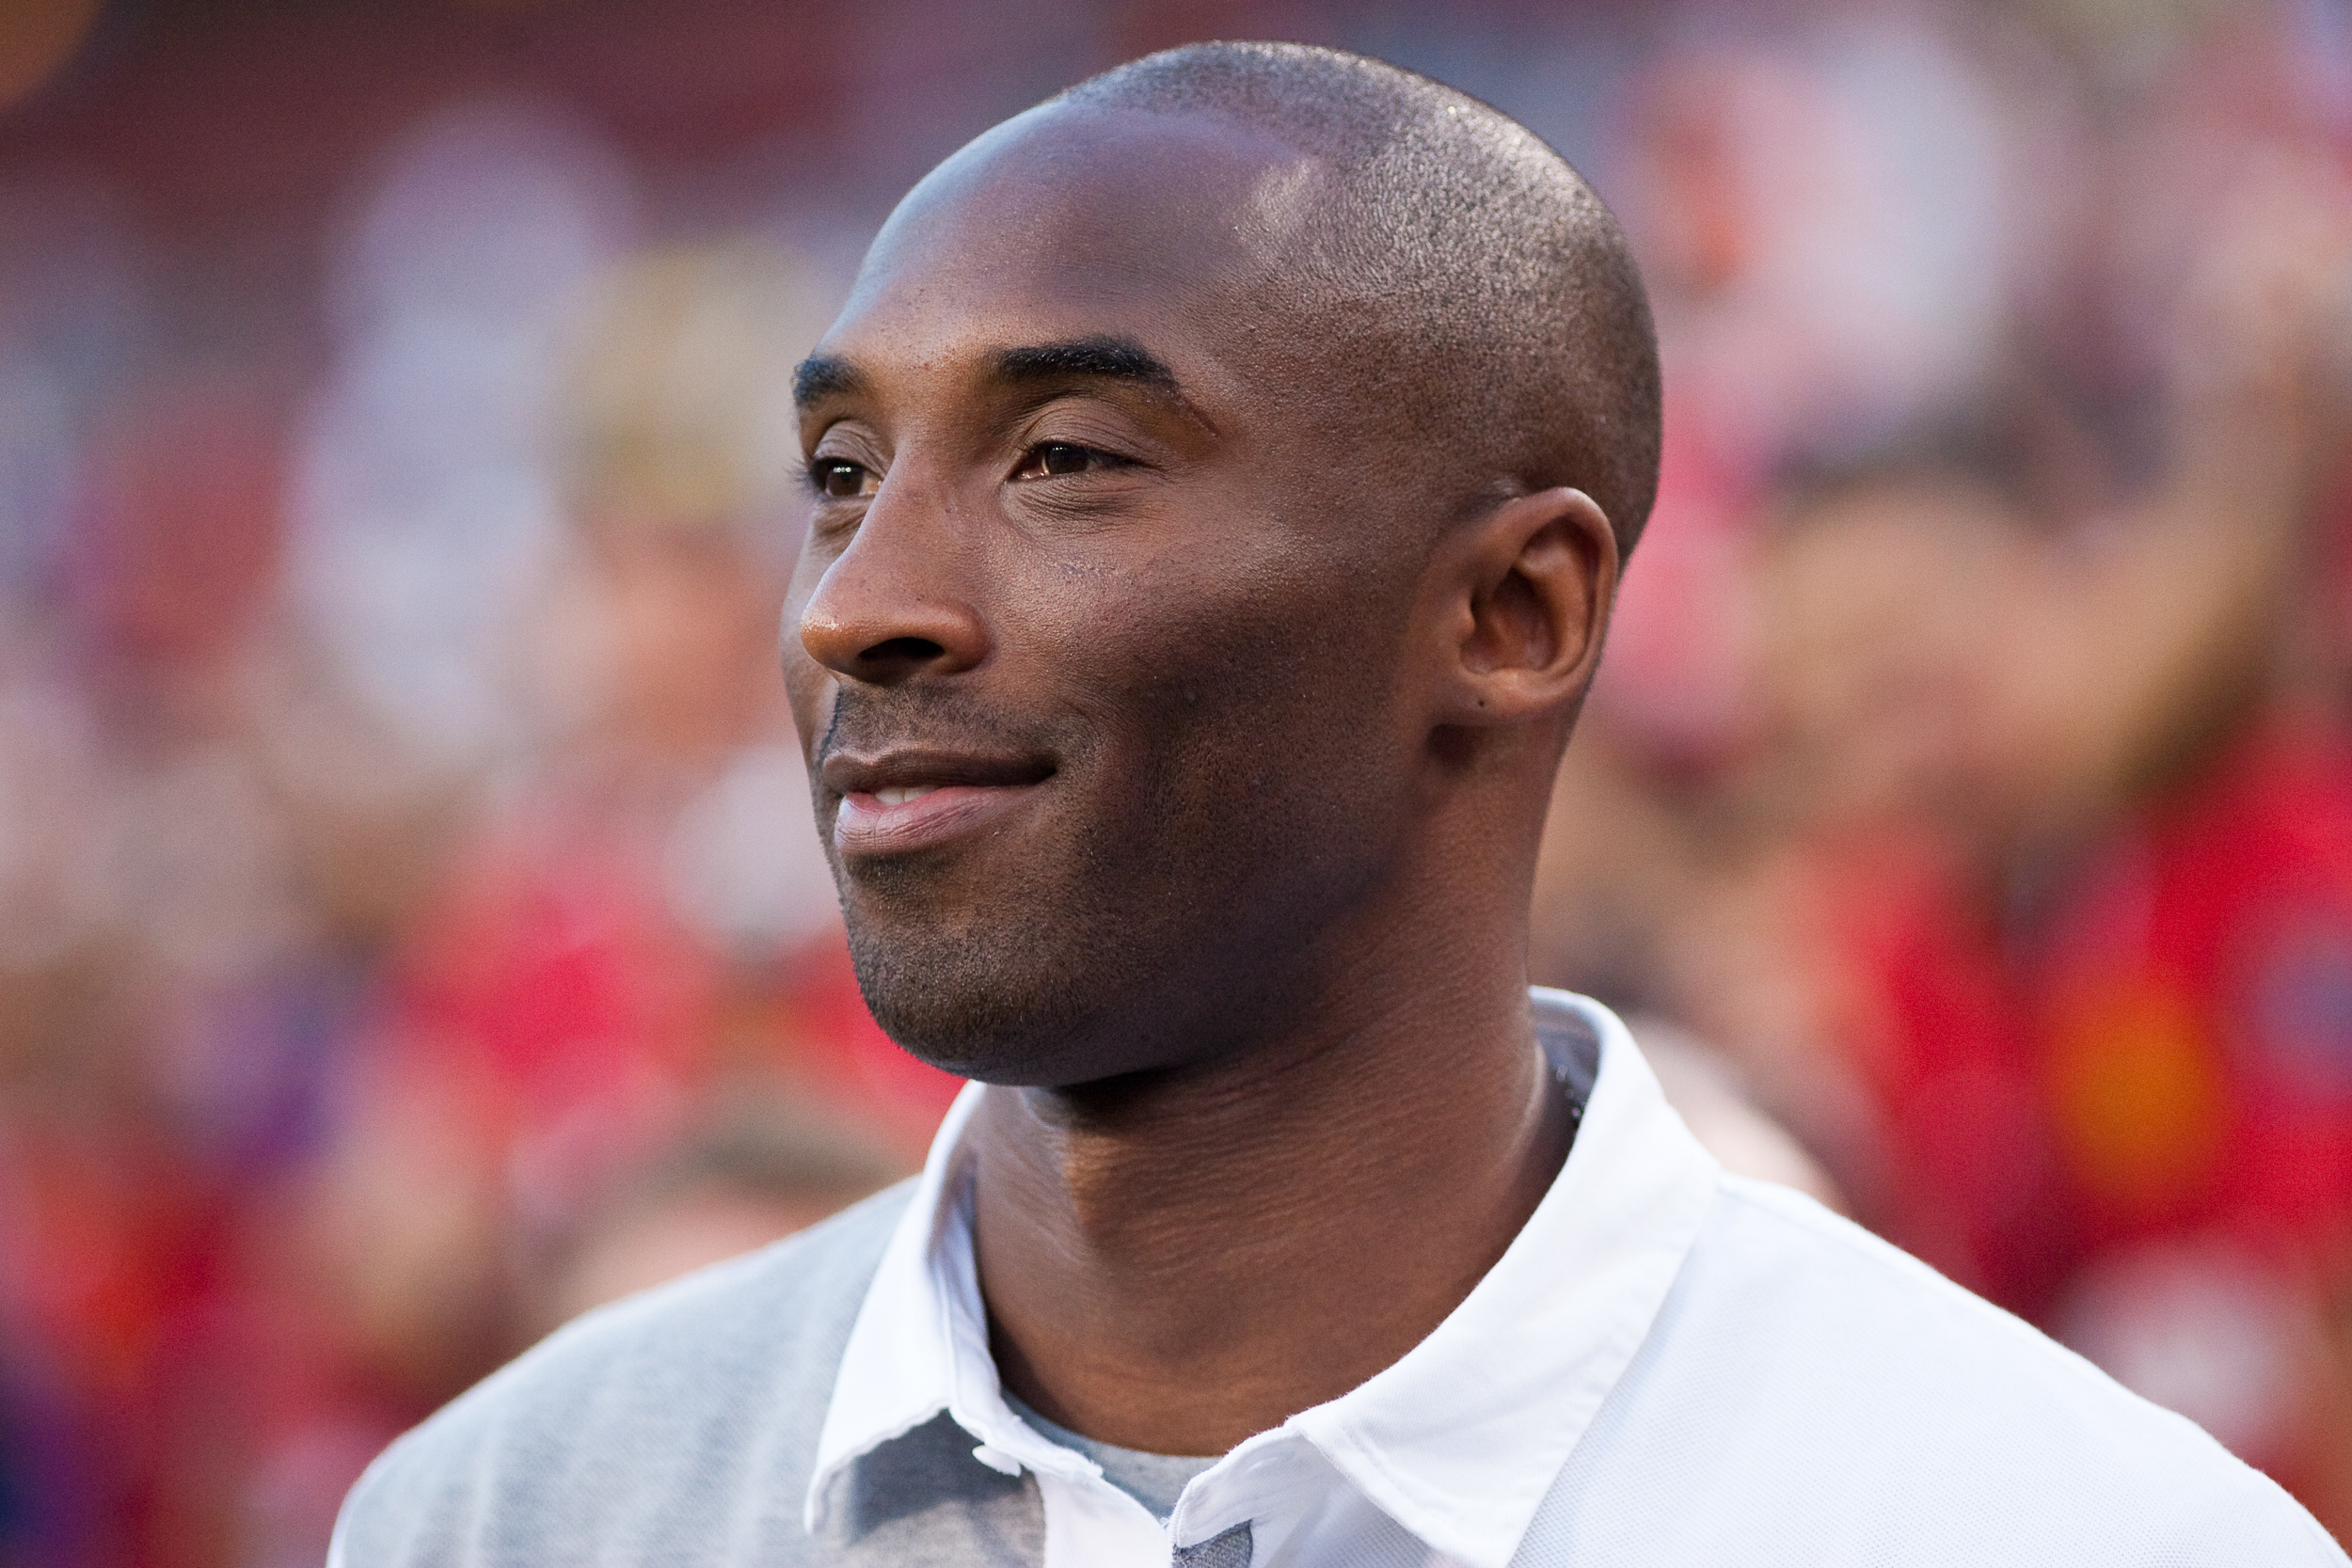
{"x": 1458, "y": 1441}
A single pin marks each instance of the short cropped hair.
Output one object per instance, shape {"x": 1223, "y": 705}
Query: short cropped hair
{"x": 1458, "y": 272}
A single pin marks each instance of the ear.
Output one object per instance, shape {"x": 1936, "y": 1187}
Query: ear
{"x": 1529, "y": 591}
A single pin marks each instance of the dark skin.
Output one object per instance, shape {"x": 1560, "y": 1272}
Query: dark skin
{"x": 1238, "y": 727}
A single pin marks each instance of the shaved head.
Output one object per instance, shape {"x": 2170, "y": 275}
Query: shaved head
{"x": 1473, "y": 297}
{"x": 1221, "y": 473}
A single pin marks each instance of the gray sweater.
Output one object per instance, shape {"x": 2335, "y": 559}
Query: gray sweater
{"x": 680, "y": 1428}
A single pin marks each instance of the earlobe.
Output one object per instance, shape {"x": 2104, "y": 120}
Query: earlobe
{"x": 1533, "y": 596}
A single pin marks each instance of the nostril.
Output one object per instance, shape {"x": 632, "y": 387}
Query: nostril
{"x": 902, "y": 650}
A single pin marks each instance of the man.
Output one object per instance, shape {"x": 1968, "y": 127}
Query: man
{"x": 1223, "y": 471}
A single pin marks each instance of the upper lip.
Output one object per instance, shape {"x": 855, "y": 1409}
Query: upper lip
{"x": 912, "y": 767}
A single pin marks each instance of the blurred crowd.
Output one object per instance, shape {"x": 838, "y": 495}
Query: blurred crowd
{"x": 412, "y": 928}
{"x": 1971, "y": 766}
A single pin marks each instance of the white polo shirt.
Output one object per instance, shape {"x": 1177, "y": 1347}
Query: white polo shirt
{"x": 1452, "y": 1454}
{"x": 1669, "y": 1368}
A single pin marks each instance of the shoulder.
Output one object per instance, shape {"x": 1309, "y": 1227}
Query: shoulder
{"x": 1843, "y": 1401}
{"x": 686, "y": 1414}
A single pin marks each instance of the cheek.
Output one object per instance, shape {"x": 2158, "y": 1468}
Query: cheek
{"x": 810, "y": 693}
{"x": 1249, "y": 695}
{"x": 807, "y": 685}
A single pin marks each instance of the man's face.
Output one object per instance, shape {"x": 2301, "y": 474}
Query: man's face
{"x": 1098, "y": 642}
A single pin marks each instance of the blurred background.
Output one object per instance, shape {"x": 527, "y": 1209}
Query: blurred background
{"x": 410, "y": 930}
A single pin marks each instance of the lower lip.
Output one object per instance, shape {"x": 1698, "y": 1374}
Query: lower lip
{"x": 864, "y": 825}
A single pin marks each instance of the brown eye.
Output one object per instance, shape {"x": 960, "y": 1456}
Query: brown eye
{"x": 839, "y": 480}
{"x": 1054, "y": 459}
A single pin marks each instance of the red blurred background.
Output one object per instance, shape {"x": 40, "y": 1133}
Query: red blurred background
{"x": 410, "y": 929}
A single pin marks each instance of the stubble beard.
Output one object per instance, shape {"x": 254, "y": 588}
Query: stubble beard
{"x": 1137, "y": 950}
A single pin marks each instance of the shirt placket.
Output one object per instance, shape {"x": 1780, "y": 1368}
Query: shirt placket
{"x": 1091, "y": 1524}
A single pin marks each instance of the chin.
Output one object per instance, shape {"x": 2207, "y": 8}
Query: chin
{"x": 948, "y": 1005}
{"x": 999, "y": 1009}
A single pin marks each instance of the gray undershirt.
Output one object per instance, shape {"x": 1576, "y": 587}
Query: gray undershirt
{"x": 1154, "y": 1480}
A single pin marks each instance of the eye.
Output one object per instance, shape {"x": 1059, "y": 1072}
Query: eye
{"x": 838, "y": 478}
{"x": 1053, "y": 459}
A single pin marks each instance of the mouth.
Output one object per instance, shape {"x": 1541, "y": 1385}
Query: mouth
{"x": 902, "y": 802}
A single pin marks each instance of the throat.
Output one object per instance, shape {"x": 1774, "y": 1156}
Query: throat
{"x": 1233, "y": 1249}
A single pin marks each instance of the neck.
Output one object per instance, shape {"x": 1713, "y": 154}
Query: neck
{"x": 1177, "y": 1260}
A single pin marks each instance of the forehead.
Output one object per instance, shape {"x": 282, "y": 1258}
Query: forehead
{"x": 1065, "y": 224}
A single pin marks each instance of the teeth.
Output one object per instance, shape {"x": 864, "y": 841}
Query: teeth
{"x": 900, "y": 797}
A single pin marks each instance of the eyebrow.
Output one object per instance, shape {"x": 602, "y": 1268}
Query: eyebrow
{"x": 1106, "y": 359}
{"x": 1101, "y": 357}
{"x": 820, "y": 376}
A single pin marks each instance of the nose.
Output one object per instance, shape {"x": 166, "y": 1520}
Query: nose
{"x": 889, "y": 608}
